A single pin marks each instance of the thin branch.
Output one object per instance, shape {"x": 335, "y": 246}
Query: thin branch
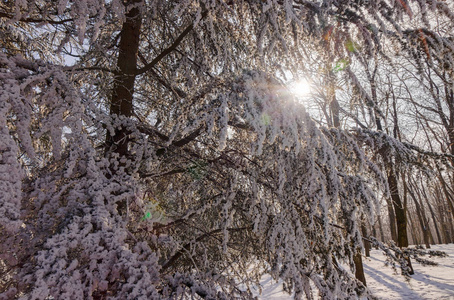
{"x": 176, "y": 91}
{"x": 186, "y": 247}
{"x": 33, "y": 20}
{"x": 180, "y": 143}
{"x": 168, "y": 50}
{"x": 73, "y": 69}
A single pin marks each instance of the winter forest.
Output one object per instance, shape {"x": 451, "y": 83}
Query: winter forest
{"x": 182, "y": 149}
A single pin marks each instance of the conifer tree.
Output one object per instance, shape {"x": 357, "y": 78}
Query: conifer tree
{"x": 152, "y": 150}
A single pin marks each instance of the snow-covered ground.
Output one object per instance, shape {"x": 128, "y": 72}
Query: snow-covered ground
{"x": 429, "y": 282}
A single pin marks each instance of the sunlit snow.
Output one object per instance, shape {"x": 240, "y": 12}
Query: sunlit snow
{"x": 429, "y": 282}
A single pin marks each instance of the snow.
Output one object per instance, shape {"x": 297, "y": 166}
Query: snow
{"x": 429, "y": 282}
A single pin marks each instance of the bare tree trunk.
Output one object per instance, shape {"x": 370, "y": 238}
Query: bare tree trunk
{"x": 432, "y": 213}
{"x": 359, "y": 269}
{"x": 334, "y": 119}
{"x": 400, "y": 211}
{"x": 366, "y": 243}
{"x": 399, "y": 207}
{"x": 442, "y": 215}
{"x": 411, "y": 223}
{"x": 434, "y": 219}
{"x": 380, "y": 228}
{"x": 392, "y": 219}
{"x": 333, "y": 103}
{"x": 451, "y": 227}
{"x": 413, "y": 230}
{"x": 421, "y": 217}
{"x": 448, "y": 195}
{"x": 420, "y": 196}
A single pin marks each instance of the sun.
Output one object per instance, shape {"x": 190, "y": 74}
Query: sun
{"x": 301, "y": 88}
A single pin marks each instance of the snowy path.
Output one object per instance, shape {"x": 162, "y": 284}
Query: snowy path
{"x": 429, "y": 282}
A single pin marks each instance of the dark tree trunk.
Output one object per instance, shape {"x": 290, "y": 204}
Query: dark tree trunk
{"x": 121, "y": 103}
{"x": 425, "y": 218}
{"x": 392, "y": 219}
{"x": 366, "y": 243}
{"x": 413, "y": 231}
{"x": 434, "y": 219}
{"x": 380, "y": 228}
{"x": 359, "y": 269}
{"x": 334, "y": 106}
{"x": 451, "y": 227}
{"x": 421, "y": 217}
{"x": 448, "y": 195}
{"x": 442, "y": 215}
{"x": 432, "y": 213}
{"x": 334, "y": 120}
{"x": 400, "y": 211}
{"x": 449, "y": 125}
{"x": 399, "y": 207}
{"x": 389, "y": 166}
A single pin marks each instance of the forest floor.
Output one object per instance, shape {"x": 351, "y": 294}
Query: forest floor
{"x": 429, "y": 282}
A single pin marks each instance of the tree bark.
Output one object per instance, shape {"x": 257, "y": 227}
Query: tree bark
{"x": 432, "y": 213}
{"x": 434, "y": 219}
{"x": 359, "y": 269}
{"x": 441, "y": 207}
{"x": 413, "y": 230}
{"x": 121, "y": 103}
{"x": 334, "y": 106}
{"x": 400, "y": 211}
{"x": 421, "y": 217}
{"x": 367, "y": 245}
{"x": 334, "y": 120}
{"x": 448, "y": 195}
{"x": 380, "y": 228}
{"x": 392, "y": 219}
{"x": 426, "y": 219}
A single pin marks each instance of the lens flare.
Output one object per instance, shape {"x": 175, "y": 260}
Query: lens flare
{"x": 301, "y": 88}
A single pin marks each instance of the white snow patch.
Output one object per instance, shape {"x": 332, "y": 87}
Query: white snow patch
{"x": 429, "y": 282}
